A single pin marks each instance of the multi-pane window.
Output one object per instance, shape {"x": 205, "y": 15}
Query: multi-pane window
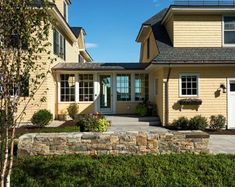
{"x": 18, "y": 89}
{"x": 229, "y": 30}
{"x": 67, "y": 88}
{"x": 86, "y": 87}
{"x": 189, "y": 85}
{"x": 123, "y": 87}
{"x": 141, "y": 87}
{"x": 59, "y": 44}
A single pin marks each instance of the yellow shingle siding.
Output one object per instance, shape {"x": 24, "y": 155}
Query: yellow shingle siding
{"x": 153, "y": 49}
{"x": 210, "y": 80}
{"x": 197, "y": 31}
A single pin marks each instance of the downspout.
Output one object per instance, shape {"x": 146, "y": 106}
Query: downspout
{"x": 167, "y": 96}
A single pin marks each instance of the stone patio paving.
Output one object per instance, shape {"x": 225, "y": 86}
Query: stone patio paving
{"x": 222, "y": 144}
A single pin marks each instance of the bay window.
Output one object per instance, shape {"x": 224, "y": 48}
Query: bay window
{"x": 141, "y": 87}
{"x": 67, "y": 87}
{"x": 86, "y": 87}
{"x": 123, "y": 87}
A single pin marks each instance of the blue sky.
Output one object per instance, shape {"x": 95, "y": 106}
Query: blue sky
{"x": 112, "y": 26}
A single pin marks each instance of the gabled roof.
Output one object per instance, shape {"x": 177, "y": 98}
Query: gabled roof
{"x": 99, "y": 66}
{"x": 76, "y": 31}
{"x": 169, "y": 53}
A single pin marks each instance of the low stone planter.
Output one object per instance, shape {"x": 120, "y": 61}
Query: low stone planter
{"x": 114, "y": 143}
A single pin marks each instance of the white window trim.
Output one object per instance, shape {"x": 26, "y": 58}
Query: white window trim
{"x": 180, "y": 87}
{"x": 223, "y": 44}
{"x": 58, "y": 56}
{"x": 130, "y": 88}
{"x": 78, "y": 86}
{"x": 59, "y": 88}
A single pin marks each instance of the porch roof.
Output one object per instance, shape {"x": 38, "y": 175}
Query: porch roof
{"x": 99, "y": 66}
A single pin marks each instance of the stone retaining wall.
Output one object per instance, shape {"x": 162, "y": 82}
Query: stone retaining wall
{"x": 114, "y": 143}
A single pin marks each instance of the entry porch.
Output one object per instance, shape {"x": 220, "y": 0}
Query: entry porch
{"x": 105, "y": 88}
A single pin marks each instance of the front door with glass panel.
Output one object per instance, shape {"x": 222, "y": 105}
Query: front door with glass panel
{"x": 106, "y": 94}
{"x": 231, "y": 104}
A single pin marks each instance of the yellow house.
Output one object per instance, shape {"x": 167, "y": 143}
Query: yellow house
{"x": 67, "y": 46}
{"x": 187, "y": 67}
{"x": 191, "y": 51}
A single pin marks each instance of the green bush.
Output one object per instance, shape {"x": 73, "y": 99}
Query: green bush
{"x": 141, "y": 110}
{"x": 181, "y": 124}
{"x": 198, "y": 123}
{"x": 103, "y": 125}
{"x": 92, "y": 123}
{"x": 42, "y": 118}
{"x": 217, "y": 122}
{"x": 73, "y": 110}
{"x": 148, "y": 170}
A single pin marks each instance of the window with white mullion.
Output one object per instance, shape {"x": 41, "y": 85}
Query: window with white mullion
{"x": 189, "y": 85}
{"x": 229, "y": 30}
{"x": 86, "y": 87}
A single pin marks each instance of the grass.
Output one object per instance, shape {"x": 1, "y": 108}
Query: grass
{"x": 21, "y": 131}
{"x": 162, "y": 170}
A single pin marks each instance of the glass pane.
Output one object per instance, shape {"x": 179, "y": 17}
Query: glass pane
{"x": 232, "y": 87}
{"x": 229, "y": 37}
{"x": 105, "y": 91}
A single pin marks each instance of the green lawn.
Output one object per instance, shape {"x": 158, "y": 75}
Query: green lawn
{"x": 162, "y": 170}
{"x": 21, "y": 131}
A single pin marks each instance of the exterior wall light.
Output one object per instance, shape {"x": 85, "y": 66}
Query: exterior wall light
{"x": 222, "y": 86}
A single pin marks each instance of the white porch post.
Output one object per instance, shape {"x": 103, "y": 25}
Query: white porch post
{"x": 96, "y": 92}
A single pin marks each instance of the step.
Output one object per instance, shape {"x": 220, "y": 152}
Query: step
{"x": 122, "y": 123}
{"x": 132, "y": 119}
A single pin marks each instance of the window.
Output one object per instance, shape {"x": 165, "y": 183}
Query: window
{"x": 141, "y": 87}
{"x": 21, "y": 89}
{"x": 229, "y": 30}
{"x": 86, "y": 87}
{"x": 80, "y": 59}
{"x": 59, "y": 44}
{"x": 148, "y": 48}
{"x": 232, "y": 86}
{"x": 67, "y": 88}
{"x": 123, "y": 87}
{"x": 189, "y": 85}
{"x": 65, "y": 10}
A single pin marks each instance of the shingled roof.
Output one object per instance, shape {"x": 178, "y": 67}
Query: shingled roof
{"x": 76, "y": 31}
{"x": 99, "y": 66}
{"x": 169, "y": 53}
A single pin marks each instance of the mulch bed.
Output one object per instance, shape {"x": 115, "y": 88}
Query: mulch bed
{"x": 68, "y": 124}
{"x": 220, "y": 132}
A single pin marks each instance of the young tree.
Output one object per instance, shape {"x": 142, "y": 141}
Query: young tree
{"x": 24, "y": 31}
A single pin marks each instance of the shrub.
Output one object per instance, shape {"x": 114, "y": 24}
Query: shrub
{"x": 181, "y": 124}
{"x": 92, "y": 123}
{"x": 103, "y": 125}
{"x": 217, "y": 122}
{"x": 198, "y": 123}
{"x": 73, "y": 110}
{"x": 42, "y": 118}
{"x": 141, "y": 110}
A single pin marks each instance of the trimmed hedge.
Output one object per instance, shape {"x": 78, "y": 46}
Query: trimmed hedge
{"x": 161, "y": 170}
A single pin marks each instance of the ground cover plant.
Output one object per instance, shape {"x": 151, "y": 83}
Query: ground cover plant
{"x": 162, "y": 170}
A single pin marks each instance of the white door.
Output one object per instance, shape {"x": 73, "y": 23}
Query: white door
{"x": 231, "y": 103}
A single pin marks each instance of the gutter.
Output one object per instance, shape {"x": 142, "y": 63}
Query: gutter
{"x": 167, "y": 96}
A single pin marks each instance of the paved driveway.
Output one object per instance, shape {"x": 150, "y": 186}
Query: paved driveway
{"x": 222, "y": 144}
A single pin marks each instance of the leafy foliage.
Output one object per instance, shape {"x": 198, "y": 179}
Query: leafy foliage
{"x": 92, "y": 123}
{"x": 73, "y": 110}
{"x": 195, "y": 123}
{"x": 162, "y": 170}
{"x": 217, "y": 122}
{"x": 181, "y": 124}
{"x": 198, "y": 123}
{"x": 42, "y": 118}
{"x": 24, "y": 33}
{"x": 141, "y": 109}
